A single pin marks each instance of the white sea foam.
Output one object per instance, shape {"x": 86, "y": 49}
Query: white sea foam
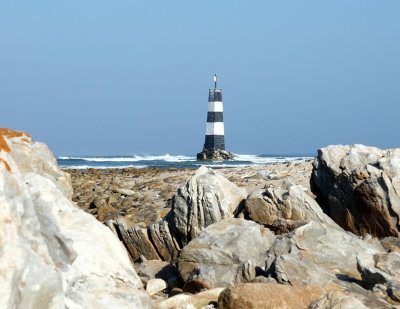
{"x": 265, "y": 160}
{"x": 82, "y": 167}
{"x": 167, "y": 160}
{"x": 134, "y": 158}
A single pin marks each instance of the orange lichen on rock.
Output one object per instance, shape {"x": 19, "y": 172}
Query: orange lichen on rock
{"x": 6, "y": 165}
{"x": 3, "y": 144}
{"x": 4, "y": 132}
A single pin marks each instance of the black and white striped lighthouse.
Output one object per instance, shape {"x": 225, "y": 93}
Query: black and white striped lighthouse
{"x": 214, "y": 145}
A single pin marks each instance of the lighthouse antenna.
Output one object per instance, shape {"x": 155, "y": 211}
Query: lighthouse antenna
{"x": 215, "y": 81}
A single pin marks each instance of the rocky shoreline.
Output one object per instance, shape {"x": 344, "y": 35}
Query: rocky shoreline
{"x": 143, "y": 196}
{"x": 305, "y": 234}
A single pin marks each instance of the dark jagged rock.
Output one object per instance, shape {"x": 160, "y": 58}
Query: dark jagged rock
{"x": 359, "y": 188}
{"x": 215, "y": 155}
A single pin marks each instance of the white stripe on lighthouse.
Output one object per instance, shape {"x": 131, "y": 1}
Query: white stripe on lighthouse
{"x": 215, "y": 128}
{"x": 215, "y": 107}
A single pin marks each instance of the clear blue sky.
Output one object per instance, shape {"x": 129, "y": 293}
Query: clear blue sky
{"x": 132, "y": 77}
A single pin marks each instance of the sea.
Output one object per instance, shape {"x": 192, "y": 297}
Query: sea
{"x": 170, "y": 161}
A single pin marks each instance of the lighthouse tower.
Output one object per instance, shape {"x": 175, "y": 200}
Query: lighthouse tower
{"x": 214, "y": 145}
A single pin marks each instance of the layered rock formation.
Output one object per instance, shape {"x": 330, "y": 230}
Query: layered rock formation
{"x": 52, "y": 254}
{"x": 206, "y": 198}
{"x": 359, "y": 188}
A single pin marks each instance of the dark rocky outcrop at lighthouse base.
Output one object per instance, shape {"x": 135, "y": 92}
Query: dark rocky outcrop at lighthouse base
{"x": 214, "y": 155}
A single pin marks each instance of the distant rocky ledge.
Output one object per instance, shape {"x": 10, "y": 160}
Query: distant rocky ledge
{"x": 214, "y": 155}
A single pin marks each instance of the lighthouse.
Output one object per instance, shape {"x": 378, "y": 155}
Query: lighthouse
{"x": 214, "y": 145}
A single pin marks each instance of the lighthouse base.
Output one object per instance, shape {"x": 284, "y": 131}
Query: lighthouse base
{"x": 214, "y": 155}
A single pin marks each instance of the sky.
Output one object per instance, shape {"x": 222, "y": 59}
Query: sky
{"x": 132, "y": 77}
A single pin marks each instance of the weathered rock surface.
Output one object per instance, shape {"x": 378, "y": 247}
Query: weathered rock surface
{"x": 206, "y": 198}
{"x": 225, "y": 252}
{"x": 274, "y": 207}
{"x": 381, "y": 269}
{"x": 320, "y": 254}
{"x": 337, "y": 300}
{"x": 317, "y": 253}
{"x": 215, "y": 155}
{"x": 359, "y": 188}
{"x": 391, "y": 244}
{"x": 52, "y": 254}
{"x": 268, "y": 296}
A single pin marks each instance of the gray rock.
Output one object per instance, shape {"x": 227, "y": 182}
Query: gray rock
{"x": 337, "y": 300}
{"x": 270, "y": 205}
{"x": 317, "y": 253}
{"x": 359, "y": 188}
{"x": 382, "y": 271}
{"x": 225, "y": 252}
{"x": 206, "y": 198}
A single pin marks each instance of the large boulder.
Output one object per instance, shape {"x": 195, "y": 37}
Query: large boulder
{"x": 226, "y": 252}
{"x": 268, "y": 296}
{"x": 359, "y": 188}
{"x": 207, "y": 197}
{"x": 52, "y": 254}
{"x": 323, "y": 255}
{"x": 316, "y": 253}
{"x": 275, "y": 207}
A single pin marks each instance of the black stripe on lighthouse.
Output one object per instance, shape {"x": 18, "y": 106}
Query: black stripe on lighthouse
{"x": 215, "y": 117}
